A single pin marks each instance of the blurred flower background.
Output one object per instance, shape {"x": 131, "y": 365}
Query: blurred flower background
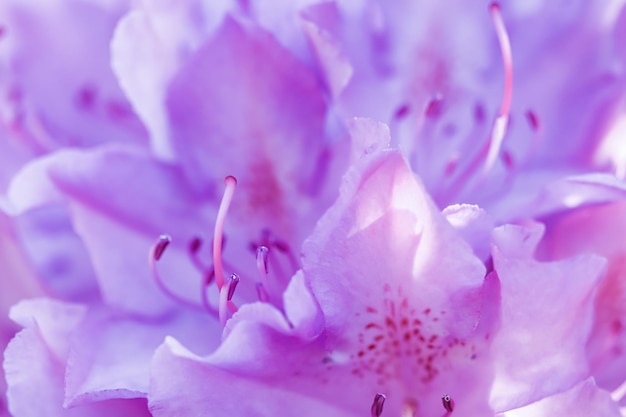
{"x": 305, "y": 208}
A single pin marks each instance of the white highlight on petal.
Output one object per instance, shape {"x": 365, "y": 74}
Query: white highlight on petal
{"x": 613, "y": 147}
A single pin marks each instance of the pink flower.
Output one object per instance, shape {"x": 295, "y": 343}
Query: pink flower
{"x": 395, "y": 307}
{"x": 121, "y": 198}
{"x": 391, "y": 300}
{"x": 551, "y": 80}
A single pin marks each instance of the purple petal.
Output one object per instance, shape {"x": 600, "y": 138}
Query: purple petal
{"x": 110, "y": 354}
{"x": 119, "y": 213}
{"x": 150, "y": 45}
{"x": 68, "y": 42}
{"x": 244, "y": 97}
{"x": 34, "y": 363}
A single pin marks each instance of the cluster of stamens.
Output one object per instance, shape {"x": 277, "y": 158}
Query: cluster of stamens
{"x": 379, "y": 402}
{"x": 215, "y": 274}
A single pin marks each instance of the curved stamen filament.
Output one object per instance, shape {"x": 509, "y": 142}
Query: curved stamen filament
{"x": 231, "y": 183}
{"x": 262, "y": 293}
{"x": 206, "y": 281}
{"x": 156, "y": 252}
{"x": 194, "y": 248}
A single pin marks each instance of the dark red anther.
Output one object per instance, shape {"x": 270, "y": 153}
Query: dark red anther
{"x": 377, "y": 405}
{"x": 195, "y": 244}
{"x": 86, "y": 97}
{"x": 434, "y": 107}
{"x": 533, "y": 120}
{"x": 159, "y": 247}
{"x": 402, "y": 111}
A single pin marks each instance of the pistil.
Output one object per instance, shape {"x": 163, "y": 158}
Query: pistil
{"x": 502, "y": 119}
{"x": 231, "y": 183}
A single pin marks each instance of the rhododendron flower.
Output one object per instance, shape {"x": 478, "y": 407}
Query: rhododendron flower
{"x": 119, "y": 213}
{"x": 169, "y": 173}
{"x": 392, "y": 301}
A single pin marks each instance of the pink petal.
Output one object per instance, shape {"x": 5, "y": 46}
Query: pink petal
{"x": 399, "y": 289}
{"x": 540, "y": 351}
{"x": 150, "y": 45}
{"x": 600, "y": 230}
{"x": 474, "y": 224}
{"x": 583, "y": 400}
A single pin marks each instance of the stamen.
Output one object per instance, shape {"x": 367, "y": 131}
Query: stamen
{"x": 500, "y": 124}
{"x": 448, "y": 403}
{"x": 160, "y": 246}
{"x": 231, "y": 183}
{"x": 234, "y": 280}
{"x": 262, "y": 294}
{"x": 377, "y": 405}
{"x": 261, "y": 264}
{"x": 226, "y": 294}
{"x": 156, "y": 252}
